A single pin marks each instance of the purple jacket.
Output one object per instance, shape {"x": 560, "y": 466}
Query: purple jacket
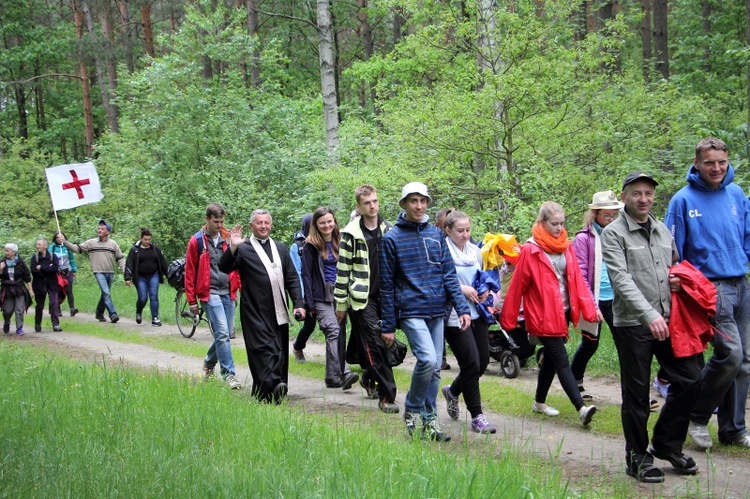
{"x": 584, "y": 246}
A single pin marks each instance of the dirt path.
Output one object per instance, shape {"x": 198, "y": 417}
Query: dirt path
{"x": 585, "y": 457}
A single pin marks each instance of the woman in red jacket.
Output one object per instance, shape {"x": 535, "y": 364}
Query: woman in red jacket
{"x": 554, "y": 293}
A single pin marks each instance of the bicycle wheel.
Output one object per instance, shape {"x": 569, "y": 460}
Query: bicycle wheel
{"x": 186, "y": 322}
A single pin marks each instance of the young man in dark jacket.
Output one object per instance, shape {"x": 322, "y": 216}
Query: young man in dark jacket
{"x": 417, "y": 278}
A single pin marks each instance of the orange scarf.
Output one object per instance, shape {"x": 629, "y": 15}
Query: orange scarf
{"x": 548, "y": 243}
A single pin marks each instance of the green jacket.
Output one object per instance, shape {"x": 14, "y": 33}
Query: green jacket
{"x": 353, "y": 269}
{"x": 638, "y": 266}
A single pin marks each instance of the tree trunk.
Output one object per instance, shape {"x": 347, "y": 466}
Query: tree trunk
{"x": 41, "y": 119}
{"x": 592, "y": 19}
{"x": 365, "y": 31}
{"x": 252, "y": 29}
{"x": 23, "y": 120}
{"x": 489, "y": 62}
{"x": 706, "y": 15}
{"x": 84, "y": 73}
{"x": 111, "y": 120}
{"x": 398, "y": 24}
{"x": 109, "y": 42}
{"x": 661, "y": 38}
{"x": 646, "y": 35}
{"x": 578, "y": 21}
{"x": 328, "y": 79}
{"x": 148, "y": 29}
{"x": 126, "y": 35}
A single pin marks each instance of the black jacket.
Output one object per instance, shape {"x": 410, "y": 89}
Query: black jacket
{"x": 45, "y": 278}
{"x": 15, "y": 286}
{"x": 313, "y": 277}
{"x": 131, "y": 264}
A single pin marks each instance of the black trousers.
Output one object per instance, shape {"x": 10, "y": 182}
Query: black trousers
{"x": 268, "y": 357}
{"x": 304, "y": 333}
{"x": 472, "y": 351}
{"x": 556, "y": 361}
{"x": 372, "y": 353}
{"x": 636, "y": 347}
{"x": 589, "y": 344}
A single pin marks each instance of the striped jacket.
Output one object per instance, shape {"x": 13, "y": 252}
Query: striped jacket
{"x": 353, "y": 269}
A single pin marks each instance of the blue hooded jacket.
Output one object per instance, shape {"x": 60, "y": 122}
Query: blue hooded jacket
{"x": 417, "y": 274}
{"x": 711, "y": 227}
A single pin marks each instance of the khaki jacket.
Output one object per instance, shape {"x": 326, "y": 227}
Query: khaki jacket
{"x": 638, "y": 266}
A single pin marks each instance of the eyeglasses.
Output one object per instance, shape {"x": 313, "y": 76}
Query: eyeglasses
{"x": 607, "y": 216}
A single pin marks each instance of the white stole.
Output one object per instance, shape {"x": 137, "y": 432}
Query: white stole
{"x": 276, "y": 276}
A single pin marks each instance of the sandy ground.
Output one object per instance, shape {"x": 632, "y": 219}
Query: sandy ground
{"x": 580, "y": 453}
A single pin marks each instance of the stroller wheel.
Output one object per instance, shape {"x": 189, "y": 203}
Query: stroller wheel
{"x": 510, "y": 364}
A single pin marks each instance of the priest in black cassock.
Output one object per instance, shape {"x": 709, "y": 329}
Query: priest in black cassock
{"x": 268, "y": 278}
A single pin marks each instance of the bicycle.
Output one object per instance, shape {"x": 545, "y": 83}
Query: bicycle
{"x": 187, "y": 322}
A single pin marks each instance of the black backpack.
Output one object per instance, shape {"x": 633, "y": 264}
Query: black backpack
{"x": 176, "y": 274}
{"x": 176, "y": 269}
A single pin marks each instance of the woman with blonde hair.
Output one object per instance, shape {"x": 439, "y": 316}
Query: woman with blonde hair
{"x": 319, "y": 258}
{"x": 549, "y": 281}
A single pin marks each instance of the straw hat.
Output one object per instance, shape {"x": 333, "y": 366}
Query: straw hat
{"x": 605, "y": 200}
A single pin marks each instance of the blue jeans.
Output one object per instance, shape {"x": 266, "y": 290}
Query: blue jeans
{"x": 104, "y": 279}
{"x": 220, "y": 312}
{"x": 726, "y": 374}
{"x": 426, "y": 341}
{"x": 148, "y": 289}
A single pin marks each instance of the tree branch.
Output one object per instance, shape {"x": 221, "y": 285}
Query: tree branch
{"x": 51, "y": 75}
{"x": 291, "y": 18}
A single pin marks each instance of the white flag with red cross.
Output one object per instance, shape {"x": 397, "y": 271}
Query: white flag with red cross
{"x": 73, "y": 185}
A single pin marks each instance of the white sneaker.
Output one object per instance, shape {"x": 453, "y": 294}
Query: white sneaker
{"x": 661, "y": 387}
{"x": 544, "y": 409}
{"x": 586, "y": 413}
{"x": 233, "y": 382}
{"x": 699, "y": 434}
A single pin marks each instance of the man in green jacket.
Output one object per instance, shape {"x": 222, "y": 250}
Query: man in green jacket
{"x": 639, "y": 250}
{"x": 358, "y": 291}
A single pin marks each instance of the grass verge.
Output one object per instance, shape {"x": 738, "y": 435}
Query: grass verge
{"x": 90, "y": 430}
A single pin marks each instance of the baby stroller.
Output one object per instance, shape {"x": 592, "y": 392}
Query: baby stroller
{"x": 512, "y": 349}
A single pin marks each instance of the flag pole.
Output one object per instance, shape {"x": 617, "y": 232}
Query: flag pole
{"x": 57, "y": 221}
{"x": 52, "y": 201}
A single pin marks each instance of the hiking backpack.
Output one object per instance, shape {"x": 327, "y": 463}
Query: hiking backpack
{"x": 176, "y": 269}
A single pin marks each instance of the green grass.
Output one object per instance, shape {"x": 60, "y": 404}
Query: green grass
{"x": 92, "y": 430}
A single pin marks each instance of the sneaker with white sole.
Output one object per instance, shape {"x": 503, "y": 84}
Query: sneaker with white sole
{"x": 412, "y": 421}
{"x": 431, "y": 431}
{"x": 700, "y": 436}
{"x": 661, "y": 387}
{"x": 480, "y": 425}
{"x": 586, "y": 414}
{"x": 451, "y": 403}
{"x": 233, "y": 382}
{"x": 544, "y": 409}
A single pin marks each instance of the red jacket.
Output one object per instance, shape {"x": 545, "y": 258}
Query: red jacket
{"x": 198, "y": 271}
{"x": 689, "y": 328}
{"x": 535, "y": 281}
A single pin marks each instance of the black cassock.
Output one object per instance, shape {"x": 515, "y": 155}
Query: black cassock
{"x": 266, "y": 341}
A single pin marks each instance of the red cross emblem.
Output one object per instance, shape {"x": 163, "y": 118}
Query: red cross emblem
{"x": 76, "y": 184}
